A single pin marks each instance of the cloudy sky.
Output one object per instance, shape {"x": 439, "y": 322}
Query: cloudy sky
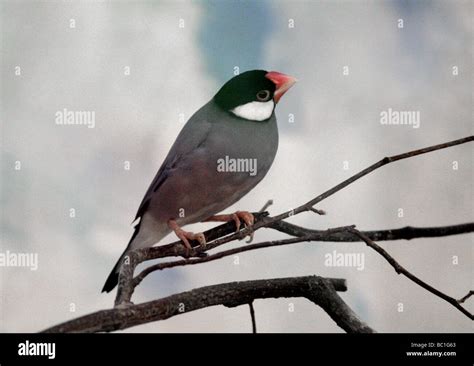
{"x": 134, "y": 66}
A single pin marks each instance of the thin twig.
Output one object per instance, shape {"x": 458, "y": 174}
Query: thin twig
{"x": 262, "y": 210}
{"x": 401, "y": 270}
{"x": 316, "y": 211}
{"x": 266, "y": 205}
{"x": 465, "y": 297}
{"x": 252, "y": 315}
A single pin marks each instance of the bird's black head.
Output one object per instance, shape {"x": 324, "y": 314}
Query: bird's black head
{"x": 253, "y": 95}
{"x": 250, "y": 86}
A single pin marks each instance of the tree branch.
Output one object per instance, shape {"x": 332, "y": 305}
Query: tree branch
{"x": 309, "y": 237}
{"x": 406, "y": 233}
{"x": 401, "y": 270}
{"x": 465, "y": 297}
{"x": 252, "y": 316}
{"x": 320, "y": 291}
{"x": 306, "y": 235}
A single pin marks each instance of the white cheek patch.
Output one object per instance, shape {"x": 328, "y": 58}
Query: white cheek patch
{"x": 255, "y": 111}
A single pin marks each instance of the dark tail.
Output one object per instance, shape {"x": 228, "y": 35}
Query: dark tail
{"x": 112, "y": 280}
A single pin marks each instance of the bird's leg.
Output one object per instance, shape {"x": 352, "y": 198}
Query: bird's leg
{"x": 246, "y": 216}
{"x": 185, "y": 236}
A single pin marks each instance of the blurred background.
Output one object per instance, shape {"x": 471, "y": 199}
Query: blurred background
{"x": 145, "y": 66}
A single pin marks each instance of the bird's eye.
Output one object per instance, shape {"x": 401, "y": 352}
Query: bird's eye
{"x": 263, "y": 95}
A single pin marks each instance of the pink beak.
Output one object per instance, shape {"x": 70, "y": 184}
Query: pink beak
{"x": 282, "y": 82}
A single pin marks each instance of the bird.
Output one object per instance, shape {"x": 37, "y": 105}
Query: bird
{"x": 204, "y": 172}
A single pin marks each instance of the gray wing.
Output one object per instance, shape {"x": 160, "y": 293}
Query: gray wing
{"x": 193, "y": 135}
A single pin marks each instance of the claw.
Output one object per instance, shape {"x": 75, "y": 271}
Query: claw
{"x": 185, "y": 236}
{"x": 201, "y": 239}
{"x": 246, "y": 216}
{"x": 236, "y": 220}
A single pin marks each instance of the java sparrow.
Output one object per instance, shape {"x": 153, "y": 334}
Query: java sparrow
{"x": 204, "y": 172}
